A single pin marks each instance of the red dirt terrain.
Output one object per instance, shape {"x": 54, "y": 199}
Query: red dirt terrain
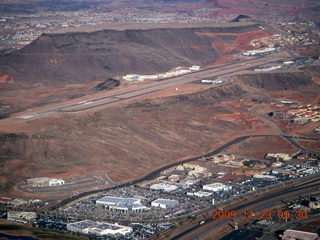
{"x": 128, "y": 141}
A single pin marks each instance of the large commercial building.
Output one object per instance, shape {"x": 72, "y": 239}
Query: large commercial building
{"x": 187, "y": 182}
{"x": 165, "y": 203}
{"x": 216, "y": 187}
{"x": 21, "y": 216}
{"x": 122, "y": 204}
{"x": 265, "y": 177}
{"x": 98, "y": 228}
{"x": 200, "y": 194}
{"x": 299, "y": 233}
{"x": 164, "y": 187}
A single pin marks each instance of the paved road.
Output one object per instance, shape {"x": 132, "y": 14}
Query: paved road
{"x": 290, "y": 139}
{"x": 261, "y": 203}
{"x": 158, "y": 171}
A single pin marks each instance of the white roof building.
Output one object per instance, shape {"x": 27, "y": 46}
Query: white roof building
{"x": 18, "y": 215}
{"x": 202, "y": 194}
{"x": 122, "y": 204}
{"x": 215, "y": 187}
{"x": 265, "y": 177}
{"x": 56, "y": 182}
{"x": 194, "y": 68}
{"x": 98, "y": 228}
{"x": 164, "y": 187}
{"x": 165, "y": 203}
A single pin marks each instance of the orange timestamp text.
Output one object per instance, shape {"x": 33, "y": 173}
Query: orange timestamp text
{"x": 261, "y": 215}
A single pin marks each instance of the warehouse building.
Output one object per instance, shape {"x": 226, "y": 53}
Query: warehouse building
{"x": 265, "y": 177}
{"x": 200, "y": 194}
{"x": 216, "y": 187}
{"x": 187, "y": 182}
{"x": 163, "y": 187}
{"x": 165, "y": 203}
{"x": 19, "y": 216}
{"x": 98, "y": 228}
{"x": 122, "y": 204}
{"x": 299, "y": 233}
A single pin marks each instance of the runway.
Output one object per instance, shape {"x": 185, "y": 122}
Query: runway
{"x": 122, "y": 95}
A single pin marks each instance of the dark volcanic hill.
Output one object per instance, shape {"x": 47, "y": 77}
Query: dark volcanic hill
{"x": 82, "y": 57}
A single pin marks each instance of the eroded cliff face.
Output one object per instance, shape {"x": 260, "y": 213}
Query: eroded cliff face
{"x": 82, "y": 57}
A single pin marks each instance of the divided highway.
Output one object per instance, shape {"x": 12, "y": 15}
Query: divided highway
{"x": 262, "y": 202}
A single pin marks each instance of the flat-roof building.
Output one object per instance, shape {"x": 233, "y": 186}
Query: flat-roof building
{"x": 98, "y": 228}
{"x": 18, "y": 202}
{"x": 45, "y": 181}
{"x": 19, "y": 215}
{"x": 215, "y": 187}
{"x": 174, "y": 178}
{"x": 299, "y": 233}
{"x": 265, "y": 177}
{"x": 201, "y": 194}
{"x": 164, "y": 187}
{"x": 165, "y": 203}
{"x": 122, "y": 204}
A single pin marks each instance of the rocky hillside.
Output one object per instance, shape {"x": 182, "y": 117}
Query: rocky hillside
{"x": 86, "y": 56}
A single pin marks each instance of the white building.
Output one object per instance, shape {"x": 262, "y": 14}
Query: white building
{"x": 279, "y": 156}
{"x": 56, "y": 182}
{"x": 122, "y": 204}
{"x": 165, "y": 203}
{"x": 265, "y": 177}
{"x": 202, "y": 194}
{"x": 45, "y": 181}
{"x": 187, "y": 182}
{"x": 98, "y": 228}
{"x": 21, "y": 216}
{"x": 299, "y": 233}
{"x": 194, "y": 68}
{"x": 216, "y": 187}
{"x": 164, "y": 187}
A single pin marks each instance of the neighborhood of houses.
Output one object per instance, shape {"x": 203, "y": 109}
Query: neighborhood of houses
{"x": 303, "y": 114}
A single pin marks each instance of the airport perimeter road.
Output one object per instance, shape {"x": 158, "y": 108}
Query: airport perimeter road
{"x": 262, "y": 202}
{"x": 122, "y": 95}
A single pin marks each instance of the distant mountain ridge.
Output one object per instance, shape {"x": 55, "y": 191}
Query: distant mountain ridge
{"x": 82, "y": 57}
